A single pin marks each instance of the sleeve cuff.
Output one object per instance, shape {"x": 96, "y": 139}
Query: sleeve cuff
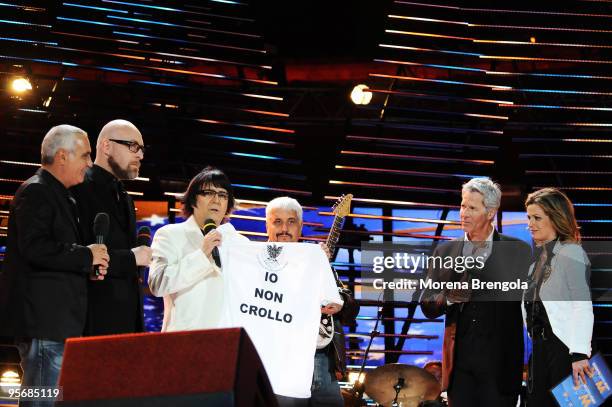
{"x": 87, "y": 257}
{"x": 577, "y": 357}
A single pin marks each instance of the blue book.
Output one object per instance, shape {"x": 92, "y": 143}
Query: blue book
{"x": 592, "y": 394}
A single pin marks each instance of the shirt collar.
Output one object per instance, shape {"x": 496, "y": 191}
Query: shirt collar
{"x": 551, "y": 248}
{"x": 487, "y": 240}
{"x": 102, "y": 176}
{"x": 55, "y": 183}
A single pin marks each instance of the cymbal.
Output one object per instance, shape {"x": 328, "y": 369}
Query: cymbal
{"x": 418, "y": 385}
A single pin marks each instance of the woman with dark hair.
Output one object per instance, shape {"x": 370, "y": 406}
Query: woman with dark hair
{"x": 184, "y": 270}
{"x": 557, "y": 305}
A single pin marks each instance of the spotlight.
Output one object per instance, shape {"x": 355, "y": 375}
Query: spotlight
{"x": 361, "y": 96}
{"x": 9, "y": 378}
{"x": 354, "y": 376}
{"x": 21, "y": 85}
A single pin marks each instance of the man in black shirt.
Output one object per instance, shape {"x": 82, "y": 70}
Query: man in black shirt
{"x": 43, "y": 292}
{"x": 115, "y": 305}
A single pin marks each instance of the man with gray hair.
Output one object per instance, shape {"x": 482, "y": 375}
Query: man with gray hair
{"x": 115, "y": 305}
{"x": 482, "y": 356}
{"x": 284, "y": 224}
{"x": 44, "y": 285}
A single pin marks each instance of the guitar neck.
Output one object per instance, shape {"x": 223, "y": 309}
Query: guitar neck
{"x": 334, "y": 233}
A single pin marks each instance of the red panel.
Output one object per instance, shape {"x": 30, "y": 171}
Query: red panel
{"x": 150, "y": 364}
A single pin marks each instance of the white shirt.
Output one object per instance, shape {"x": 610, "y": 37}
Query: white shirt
{"x": 484, "y": 250}
{"x": 471, "y": 250}
{"x": 192, "y": 285}
{"x": 275, "y": 291}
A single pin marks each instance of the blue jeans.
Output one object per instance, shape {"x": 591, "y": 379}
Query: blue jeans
{"x": 325, "y": 390}
{"x": 41, "y": 360}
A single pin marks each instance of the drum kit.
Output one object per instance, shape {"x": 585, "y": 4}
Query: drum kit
{"x": 401, "y": 385}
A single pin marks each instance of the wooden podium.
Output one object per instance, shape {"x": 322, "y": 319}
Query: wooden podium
{"x": 216, "y": 367}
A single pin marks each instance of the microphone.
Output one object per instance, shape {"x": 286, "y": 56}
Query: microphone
{"x": 209, "y": 226}
{"x": 143, "y": 237}
{"x": 100, "y": 230}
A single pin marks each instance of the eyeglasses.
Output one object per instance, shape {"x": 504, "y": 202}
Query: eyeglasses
{"x": 132, "y": 145}
{"x": 211, "y": 193}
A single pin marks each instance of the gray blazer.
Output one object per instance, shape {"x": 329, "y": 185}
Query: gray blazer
{"x": 567, "y": 297}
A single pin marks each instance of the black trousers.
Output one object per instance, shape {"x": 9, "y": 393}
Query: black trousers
{"x": 284, "y": 401}
{"x": 549, "y": 363}
{"x": 473, "y": 383}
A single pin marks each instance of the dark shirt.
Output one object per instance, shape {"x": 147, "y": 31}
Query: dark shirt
{"x": 114, "y": 187}
{"x": 538, "y": 323}
{"x": 63, "y": 191}
{"x": 537, "y": 319}
{"x": 43, "y": 288}
{"x": 115, "y": 304}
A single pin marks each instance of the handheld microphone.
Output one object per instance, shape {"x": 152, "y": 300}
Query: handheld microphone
{"x": 100, "y": 230}
{"x": 209, "y": 226}
{"x": 143, "y": 237}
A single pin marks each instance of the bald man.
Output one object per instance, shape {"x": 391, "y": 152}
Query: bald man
{"x": 115, "y": 304}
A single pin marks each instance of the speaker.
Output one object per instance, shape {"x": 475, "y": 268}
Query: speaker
{"x": 215, "y": 367}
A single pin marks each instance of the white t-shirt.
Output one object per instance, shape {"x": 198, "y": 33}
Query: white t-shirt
{"x": 275, "y": 291}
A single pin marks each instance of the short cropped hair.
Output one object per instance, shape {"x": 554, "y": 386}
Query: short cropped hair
{"x": 286, "y": 203}
{"x": 208, "y": 176}
{"x": 59, "y": 137}
{"x": 489, "y": 190}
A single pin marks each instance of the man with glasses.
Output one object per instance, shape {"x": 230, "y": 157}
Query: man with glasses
{"x": 115, "y": 305}
{"x": 184, "y": 270}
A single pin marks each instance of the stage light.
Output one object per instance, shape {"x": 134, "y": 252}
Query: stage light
{"x": 10, "y": 378}
{"x": 21, "y": 85}
{"x": 361, "y": 96}
{"x": 354, "y": 376}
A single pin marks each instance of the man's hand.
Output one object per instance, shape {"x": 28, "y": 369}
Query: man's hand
{"x": 325, "y": 249}
{"x": 458, "y": 296}
{"x": 143, "y": 255}
{"x": 100, "y": 275}
{"x": 100, "y": 259}
{"x": 580, "y": 370}
{"x": 331, "y": 309}
{"x": 211, "y": 240}
{"x": 100, "y": 255}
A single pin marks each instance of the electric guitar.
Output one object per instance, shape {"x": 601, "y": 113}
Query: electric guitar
{"x": 341, "y": 209}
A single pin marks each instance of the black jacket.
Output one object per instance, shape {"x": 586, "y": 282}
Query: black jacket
{"x": 502, "y": 318}
{"x": 43, "y": 289}
{"x": 115, "y": 304}
{"x": 336, "y": 350}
